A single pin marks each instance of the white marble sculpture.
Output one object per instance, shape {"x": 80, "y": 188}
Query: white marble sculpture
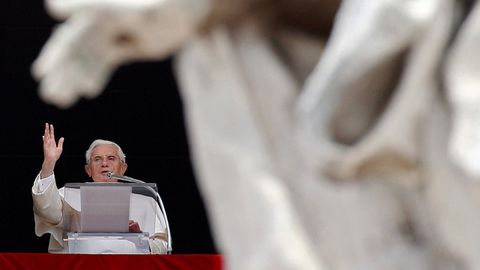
{"x": 354, "y": 152}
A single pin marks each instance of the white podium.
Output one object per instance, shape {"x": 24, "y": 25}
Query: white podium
{"x": 108, "y": 243}
{"x": 110, "y": 205}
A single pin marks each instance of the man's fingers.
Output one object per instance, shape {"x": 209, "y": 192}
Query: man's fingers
{"x": 46, "y": 132}
{"x": 133, "y": 227}
{"x": 52, "y": 133}
{"x": 60, "y": 143}
{"x": 49, "y": 136}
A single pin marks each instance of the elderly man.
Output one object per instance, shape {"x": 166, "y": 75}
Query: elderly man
{"x": 52, "y": 210}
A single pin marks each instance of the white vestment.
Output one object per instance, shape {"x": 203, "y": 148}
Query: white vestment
{"x": 48, "y": 202}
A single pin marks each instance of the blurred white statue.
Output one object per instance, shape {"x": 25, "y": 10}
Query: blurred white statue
{"x": 324, "y": 135}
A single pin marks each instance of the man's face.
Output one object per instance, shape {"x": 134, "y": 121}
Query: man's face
{"x": 105, "y": 159}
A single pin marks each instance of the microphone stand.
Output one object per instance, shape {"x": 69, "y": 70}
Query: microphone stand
{"x": 159, "y": 199}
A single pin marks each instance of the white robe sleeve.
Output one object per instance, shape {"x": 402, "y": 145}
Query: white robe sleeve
{"x": 158, "y": 236}
{"x": 157, "y": 246}
{"x": 158, "y": 242}
{"x": 47, "y": 208}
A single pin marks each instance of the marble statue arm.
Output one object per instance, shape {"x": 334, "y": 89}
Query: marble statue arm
{"x": 98, "y": 36}
{"x": 462, "y": 84}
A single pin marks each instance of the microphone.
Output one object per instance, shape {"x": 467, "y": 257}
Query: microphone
{"x": 164, "y": 213}
{"x": 124, "y": 178}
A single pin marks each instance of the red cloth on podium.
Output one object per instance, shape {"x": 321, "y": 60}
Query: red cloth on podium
{"x": 40, "y": 261}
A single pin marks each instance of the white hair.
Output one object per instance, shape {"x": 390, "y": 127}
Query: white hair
{"x": 98, "y": 142}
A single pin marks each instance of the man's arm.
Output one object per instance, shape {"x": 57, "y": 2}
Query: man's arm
{"x": 47, "y": 203}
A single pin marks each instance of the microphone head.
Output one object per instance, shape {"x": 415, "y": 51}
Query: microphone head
{"x": 109, "y": 174}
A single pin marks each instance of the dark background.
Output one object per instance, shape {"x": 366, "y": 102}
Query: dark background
{"x": 140, "y": 109}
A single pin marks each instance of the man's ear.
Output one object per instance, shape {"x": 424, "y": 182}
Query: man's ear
{"x": 88, "y": 170}
{"x": 124, "y": 168}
